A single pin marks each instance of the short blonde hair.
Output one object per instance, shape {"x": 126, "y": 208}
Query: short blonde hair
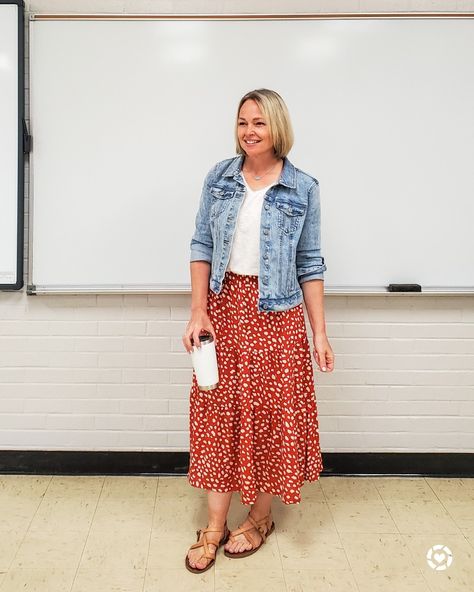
{"x": 276, "y": 112}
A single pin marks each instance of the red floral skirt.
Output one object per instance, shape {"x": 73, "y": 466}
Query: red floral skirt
{"x": 258, "y": 430}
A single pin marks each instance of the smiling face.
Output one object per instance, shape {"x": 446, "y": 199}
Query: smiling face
{"x": 253, "y": 130}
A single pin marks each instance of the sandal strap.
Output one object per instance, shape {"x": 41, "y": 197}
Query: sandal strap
{"x": 259, "y": 526}
{"x": 255, "y": 524}
{"x": 244, "y": 532}
{"x": 208, "y": 553}
{"x": 213, "y": 529}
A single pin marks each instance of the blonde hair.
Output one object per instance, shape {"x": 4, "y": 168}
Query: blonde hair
{"x": 276, "y": 112}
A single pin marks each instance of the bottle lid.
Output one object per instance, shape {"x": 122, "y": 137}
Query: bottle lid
{"x": 204, "y": 338}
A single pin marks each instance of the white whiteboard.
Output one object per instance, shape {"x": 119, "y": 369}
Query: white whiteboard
{"x": 11, "y": 237}
{"x": 127, "y": 117}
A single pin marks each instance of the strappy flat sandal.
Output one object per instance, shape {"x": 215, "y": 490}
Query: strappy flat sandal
{"x": 208, "y": 554}
{"x": 259, "y": 525}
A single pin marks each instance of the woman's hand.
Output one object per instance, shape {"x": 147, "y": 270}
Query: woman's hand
{"x": 323, "y": 353}
{"x": 198, "y": 325}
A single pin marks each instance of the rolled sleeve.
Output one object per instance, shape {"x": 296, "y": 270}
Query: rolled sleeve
{"x": 201, "y": 246}
{"x": 309, "y": 260}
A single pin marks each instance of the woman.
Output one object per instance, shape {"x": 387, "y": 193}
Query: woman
{"x": 255, "y": 256}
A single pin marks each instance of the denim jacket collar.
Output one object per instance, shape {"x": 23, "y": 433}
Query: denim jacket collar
{"x": 287, "y": 177}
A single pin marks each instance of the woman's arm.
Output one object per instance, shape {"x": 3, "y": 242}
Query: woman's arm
{"x": 313, "y": 294}
{"x": 310, "y": 268}
{"x": 200, "y": 272}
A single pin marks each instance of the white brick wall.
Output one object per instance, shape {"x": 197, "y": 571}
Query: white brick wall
{"x": 110, "y": 372}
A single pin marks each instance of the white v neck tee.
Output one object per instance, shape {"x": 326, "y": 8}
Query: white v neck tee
{"x": 245, "y": 249}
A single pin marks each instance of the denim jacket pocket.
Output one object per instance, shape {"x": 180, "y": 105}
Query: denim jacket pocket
{"x": 290, "y": 216}
{"x": 220, "y": 197}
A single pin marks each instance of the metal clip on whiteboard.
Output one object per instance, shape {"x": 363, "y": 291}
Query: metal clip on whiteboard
{"x": 27, "y": 139}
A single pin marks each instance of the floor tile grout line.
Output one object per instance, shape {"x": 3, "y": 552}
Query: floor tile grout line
{"x": 450, "y": 515}
{"x": 405, "y": 543}
{"x": 403, "y": 536}
{"x": 388, "y": 509}
{"x": 340, "y": 540}
{"x": 281, "y": 559}
{"x": 25, "y": 533}
{"x": 88, "y": 534}
{"x": 150, "y": 534}
{"x": 413, "y": 558}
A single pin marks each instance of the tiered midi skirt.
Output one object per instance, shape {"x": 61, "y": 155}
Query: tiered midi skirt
{"x": 258, "y": 430}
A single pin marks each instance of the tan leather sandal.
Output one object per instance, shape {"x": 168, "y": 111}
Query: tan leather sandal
{"x": 208, "y": 553}
{"x": 257, "y": 524}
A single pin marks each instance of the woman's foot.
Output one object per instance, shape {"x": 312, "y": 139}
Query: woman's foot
{"x": 240, "y": 543}
{"x": 196, "y": 556}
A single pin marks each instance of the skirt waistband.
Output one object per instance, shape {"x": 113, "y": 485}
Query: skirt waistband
{"x": 231, "y": 275}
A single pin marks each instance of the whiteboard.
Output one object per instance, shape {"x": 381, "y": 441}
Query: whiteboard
{"x": 128, "y": 116}
{"x": 11, "y": 147}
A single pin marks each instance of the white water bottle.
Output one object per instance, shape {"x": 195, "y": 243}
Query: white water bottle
{"x": 205, "y": 363}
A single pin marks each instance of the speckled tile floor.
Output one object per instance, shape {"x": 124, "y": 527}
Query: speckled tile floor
{"x": 130, "y": 534}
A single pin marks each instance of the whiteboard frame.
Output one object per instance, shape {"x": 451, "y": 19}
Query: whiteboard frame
{"x": 18, "y": 284}
{"x": 33, "y": 289}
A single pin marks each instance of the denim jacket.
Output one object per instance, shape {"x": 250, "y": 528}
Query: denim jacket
{"x": 290, "y": 231}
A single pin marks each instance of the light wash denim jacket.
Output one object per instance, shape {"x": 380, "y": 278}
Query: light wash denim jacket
{"x": 290, "y": 231}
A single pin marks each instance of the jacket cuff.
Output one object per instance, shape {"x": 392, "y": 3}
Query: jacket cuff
{"x": 316, "y": 272}
{"x": 311, "y": 276}
{"x": 197, "y": 255}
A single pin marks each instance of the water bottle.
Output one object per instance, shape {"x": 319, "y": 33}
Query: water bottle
{"x": 205, "y": 363}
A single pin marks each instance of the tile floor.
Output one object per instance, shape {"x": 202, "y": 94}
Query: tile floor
{"x": 130, "y": 534}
